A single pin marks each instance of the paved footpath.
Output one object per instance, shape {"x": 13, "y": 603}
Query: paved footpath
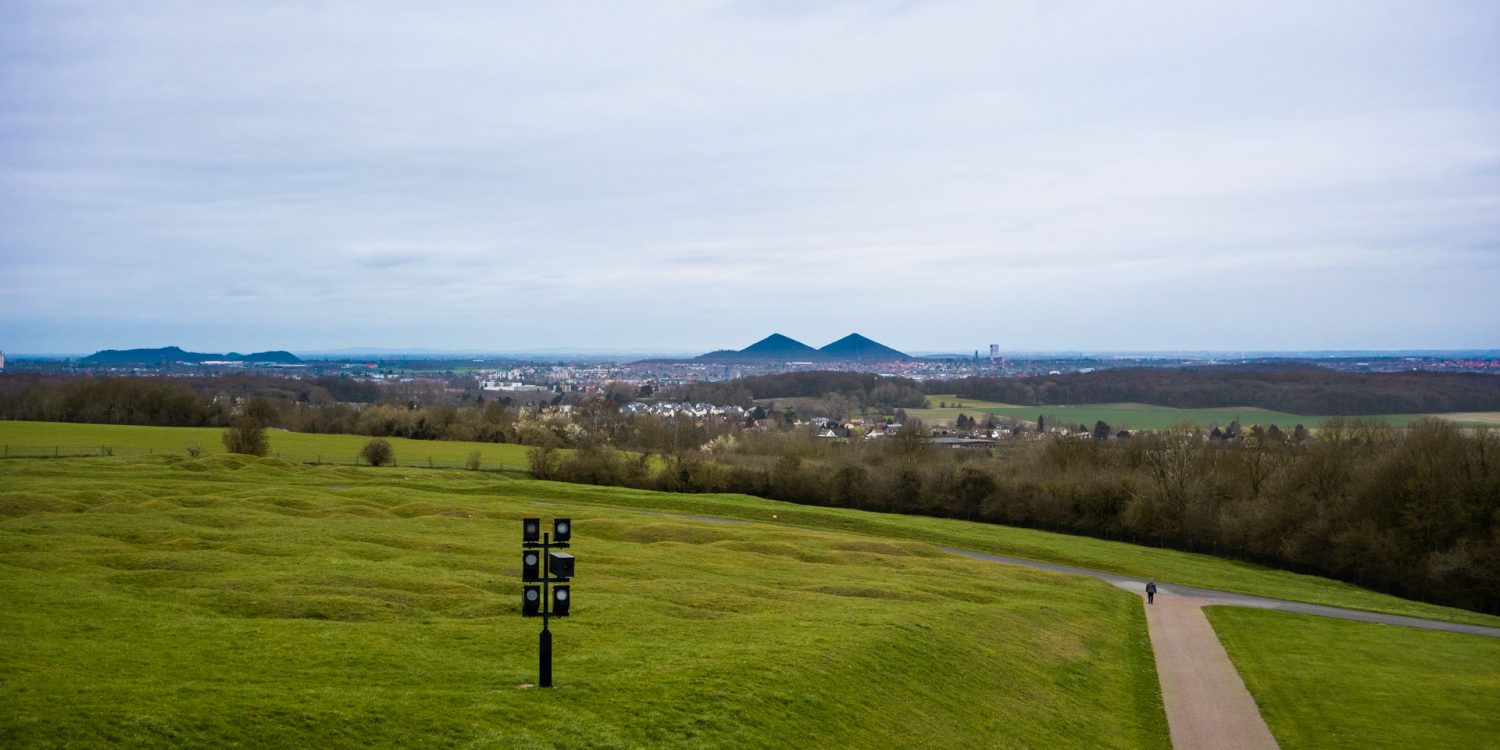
{"x": 1206, "y": 702}
{"x": 1210, "y": 596}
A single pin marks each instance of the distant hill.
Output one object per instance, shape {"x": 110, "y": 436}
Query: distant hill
{"x": 775, "y": 347}
{"x": 169, "y": 354}
{"x": 779, "y": 348}
{"x": 857, "y": 348}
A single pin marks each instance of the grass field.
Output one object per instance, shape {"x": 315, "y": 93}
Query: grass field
{"x": 1146, "y": 562}
{"x": 1098, "y": 554}
{"x": 66, "y": 438}
{"x": 1324, "y": 683}
{"x": 937, "y": 414}
{"x": 1148, "y": 417}
{"x": 1474, "y": 418}
{"x": 231, "y": 601}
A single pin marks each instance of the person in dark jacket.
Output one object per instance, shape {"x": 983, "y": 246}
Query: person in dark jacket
{"x": 1150, "y": 592}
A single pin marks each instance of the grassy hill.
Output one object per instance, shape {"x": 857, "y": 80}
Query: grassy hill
{"x": 230, "y": 601}
{"x": 72, "y": 439}
{"x": 33, "y": 438}
{"x": 1334, "y": 684}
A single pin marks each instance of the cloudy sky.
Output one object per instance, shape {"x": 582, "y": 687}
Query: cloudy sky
{"x": 695, "y": 175}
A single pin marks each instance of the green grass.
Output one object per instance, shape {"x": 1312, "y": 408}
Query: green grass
{"x": 1324, "y": 683}
{"x": 66, "y": 438}
{"x": 936, "y": 414}
{"x": 1144, "y": 562}
{"x": 1148, "y": 417}
{"x": 230, "y": 601}
{"x": 1098, "y": 554}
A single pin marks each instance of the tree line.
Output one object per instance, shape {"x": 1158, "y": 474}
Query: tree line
{"x": 1296, "y": 389}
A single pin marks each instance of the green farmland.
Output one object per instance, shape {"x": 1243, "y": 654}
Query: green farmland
{"x": 232, "y": 601}
{"x": 1146, "y": 416}
{"x": 72, "y": 439}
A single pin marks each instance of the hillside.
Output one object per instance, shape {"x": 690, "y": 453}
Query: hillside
{"x": 70, "y": 439}
{"x": 779, "y": 348}
{"x": 775, "y": 347}
{"x": 857, "y": 348}
{"x": 229, "y": 601}
{"x": 111, "y": 357}
{"x": 43, "y": 439}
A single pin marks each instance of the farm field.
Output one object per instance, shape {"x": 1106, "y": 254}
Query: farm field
{"x": 938, "y": 414}
{"x": 1148, "y": 417}
{"x": 233, "y": 601}
{"x": 68, "y": 438}
{"x": 1474, "y": 418}
{"x": 1324, "y": 683}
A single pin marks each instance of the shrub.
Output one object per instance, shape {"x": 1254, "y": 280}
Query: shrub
{"x": 544, "y": 461}
{"x": 247, "y": 436}
{"x": 377, "y": 452}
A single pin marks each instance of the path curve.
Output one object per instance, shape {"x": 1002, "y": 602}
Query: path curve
{"x": 1205, "y": 596}
{"x": 1211, "y": 596}
{"x": 1137, "y": 585}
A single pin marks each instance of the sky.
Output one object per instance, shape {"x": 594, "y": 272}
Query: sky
{"x": 687, "y": 176}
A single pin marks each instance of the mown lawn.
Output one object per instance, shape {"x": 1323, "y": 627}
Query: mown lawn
{"x": 1324, "y": 683}
{"x": 237, "y": 602}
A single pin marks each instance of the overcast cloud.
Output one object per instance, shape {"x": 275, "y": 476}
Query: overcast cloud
{"x": 694, "y": 175}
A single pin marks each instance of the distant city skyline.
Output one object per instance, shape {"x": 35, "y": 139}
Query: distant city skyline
{"x": 678, "y": 178}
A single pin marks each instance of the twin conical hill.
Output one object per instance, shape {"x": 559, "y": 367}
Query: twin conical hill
{"x": 857, "y": 348}
{"x": 776, "y": 347}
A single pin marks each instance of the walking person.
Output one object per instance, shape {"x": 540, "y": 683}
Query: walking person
{"x": 1151, "y": 592}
